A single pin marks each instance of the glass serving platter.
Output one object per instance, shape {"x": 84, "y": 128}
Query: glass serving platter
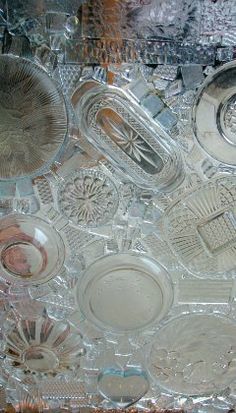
{"x": 118, "y": 206}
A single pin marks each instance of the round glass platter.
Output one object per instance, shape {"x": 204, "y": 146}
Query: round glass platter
{"x": 194, "y": 354}
{"x": 33, "y": 116}
{"x": 125, "y": 292}
{"x": 214, "y": 114}
{"x": 31, "y": 251}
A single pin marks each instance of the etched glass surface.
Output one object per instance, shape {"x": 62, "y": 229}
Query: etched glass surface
{"x": 186, "y": 359}
{"x": 33, "y": 118}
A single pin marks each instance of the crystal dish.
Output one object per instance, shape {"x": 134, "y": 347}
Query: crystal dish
{"x": 31, "y": 251}
{"x": 216, "y": 131}
{"x": 33, "y": 118}
{"x": 125, "y": 292}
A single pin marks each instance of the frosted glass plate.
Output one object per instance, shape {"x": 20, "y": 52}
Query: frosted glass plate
{"x": 216, "y": 132}
{"x": 201, "y": 228}
{"x": 194, "y": 354}
{"x": 125, "y": 292}
{"x": 31, "y": 251}
{"x": 33, "y": 118}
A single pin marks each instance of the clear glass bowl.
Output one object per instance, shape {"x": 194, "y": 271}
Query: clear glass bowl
{"x": 125, "y": 292}
{"x": 31, "y": 250}
{"x": 33, "y": 118}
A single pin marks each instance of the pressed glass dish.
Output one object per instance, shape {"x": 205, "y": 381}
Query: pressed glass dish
{"x": 42, "y": 347}
{"x": 216, "y": 132}
{"x": 200, "y": 228}
{"x": 113, "y": 121}
{"x": 33, "y": 118}
{"x": 125, "y": 292}
{"x": 88, "y": 198}
{"x": 31, "y": 251}
{"x": 194, "y": 354}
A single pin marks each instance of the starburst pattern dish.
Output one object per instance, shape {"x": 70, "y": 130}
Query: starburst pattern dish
{"x": 88, "y": 198}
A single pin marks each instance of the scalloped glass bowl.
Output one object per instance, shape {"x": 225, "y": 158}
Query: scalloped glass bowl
{"x": 31, "y": 250}
{"x": 42, "y": 347}
{"x": 33, "y": 118}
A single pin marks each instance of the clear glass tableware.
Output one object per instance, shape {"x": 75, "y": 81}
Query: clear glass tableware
{"x": 119, "y": 127}
{"x": 125, "y": 292}
{"x": 213, "y": 117}
{"x": 40, "y": 347}
{"x": 123, "y": 387}
{"x": 31, "y": 250}
{"x": 88, "y": 198}
{"x": 33, "y": 118}
{"x": 194, "y": 354}
{"x": 200, "y": 228}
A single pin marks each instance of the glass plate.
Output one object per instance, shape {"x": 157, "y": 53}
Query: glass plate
{"x": 194, "y": 354}
{"x": 125, "y": 292}
{"x": 33, "y": 118}
{"x": 216, "y": 132}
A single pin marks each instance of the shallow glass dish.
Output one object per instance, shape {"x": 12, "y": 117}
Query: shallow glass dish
{"x": 33, "y": 118}
{"x": 125, "y": 292}
{"x": 114, "y": 122}
{"x": 214, "y": 119}
{"x": 194, "y": 354}
{"x": 200, "y": 228}
{"x": 31, "y": 251}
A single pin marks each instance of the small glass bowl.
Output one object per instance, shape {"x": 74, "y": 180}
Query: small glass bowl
{"x": 31, "y": 251}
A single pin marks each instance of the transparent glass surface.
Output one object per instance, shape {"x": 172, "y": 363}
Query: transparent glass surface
{"x": 43, "y": 347}
{"x": 125, "y": 292}
{"x": 186, "y": 359}
{"x": 33, "y": 118}
{"x": 88, "y": 198}
{"x": 216, "y": 131}
{"x": 31, "y": 251}
{"x": 200, "y": 228}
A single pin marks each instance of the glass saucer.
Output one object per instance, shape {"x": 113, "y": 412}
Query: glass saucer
{"x": 125, "y": 292}
{"x": 214, "y": 119}
{"x": 31, "y": 251}
{"x": 33, "y": 118}
{"x": 194, "y": 354}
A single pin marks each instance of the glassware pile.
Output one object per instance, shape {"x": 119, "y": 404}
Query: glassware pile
{"x": 118, "y": 205}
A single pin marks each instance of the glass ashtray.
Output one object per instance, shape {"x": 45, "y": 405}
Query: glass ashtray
{"x": 31, "y": 251}
{"x": 125, "y": 292}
